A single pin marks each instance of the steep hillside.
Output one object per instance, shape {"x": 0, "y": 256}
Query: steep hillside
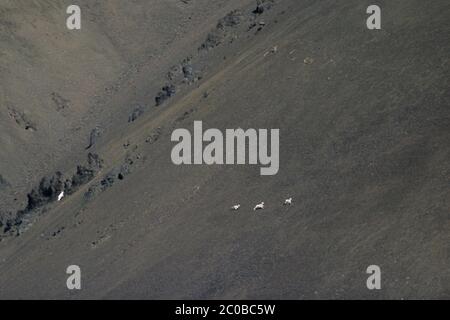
{"x": 59, "y": 85}
{"x": 364, "y": 125}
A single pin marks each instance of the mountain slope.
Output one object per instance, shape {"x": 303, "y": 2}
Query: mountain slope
{"x": 364, "y": 125}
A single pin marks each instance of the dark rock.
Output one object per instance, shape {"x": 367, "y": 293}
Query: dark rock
{"x": 190, "y": 75}
{"x": 94, "y": 161}
{"x": 68, "y": 187}
{"x": 93, "y": 137}
{"x": 84, "y": 174}
{"x": 125, "y": 169}
{"x": 174, "y": 72}
{"x": 9, "y": 225}
{"x": 22, "y": 119}
{"x": 188, "y": 72}
{"x": 108, "y": 180}
{"x": 117, "y": 173}
{"x": 232, "y": 19}
{"x": 165, "y": 93}
{"x": 222, "y": 30}
{"x": 60, "y": 102}
{"x": 49, "y": 187}
{"x": 5, "y": 221}
{"x": 185, "y": 115}
{"x": 262, "y": 5}
{"x": 259, "y": 9}
{"x": 48, "y": 190}
{"x": 3, "y": 182}
{"x": 137, "y": 112}
{"x": 154, "y": 136}
{"x": 213, "y": 39}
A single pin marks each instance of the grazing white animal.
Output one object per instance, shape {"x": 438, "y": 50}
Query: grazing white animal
{"x": 259, "y": 206}
{"x": 288, "y": 201}
{"x": 235, "y": 207}
{"x": 61, "y": 195}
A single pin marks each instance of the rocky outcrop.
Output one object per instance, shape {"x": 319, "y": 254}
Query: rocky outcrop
{"x": 47, "y": 192}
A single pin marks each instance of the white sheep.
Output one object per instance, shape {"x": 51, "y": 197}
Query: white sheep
{"x": 288, "y": 201}
{"x": 259, "y": 206}
{"x": 61, "y": 195}
{"x": 236, "y": 207}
